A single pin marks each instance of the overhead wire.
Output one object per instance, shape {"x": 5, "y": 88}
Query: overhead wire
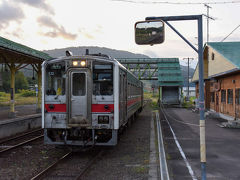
{"x": 177, "y": 3}
{"x": 230, "y": 33}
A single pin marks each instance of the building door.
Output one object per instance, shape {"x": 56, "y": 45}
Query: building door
{"x": 170, "y": 95}
{"x": 217, "y": 102}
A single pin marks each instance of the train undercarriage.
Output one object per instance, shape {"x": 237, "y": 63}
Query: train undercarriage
{"x": 82, "y": 137}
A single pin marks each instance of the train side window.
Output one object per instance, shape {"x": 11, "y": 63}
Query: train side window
{"x": 55, "y": 79}
{"x": 78, "y": 84}
{"x": 103, "y": 79}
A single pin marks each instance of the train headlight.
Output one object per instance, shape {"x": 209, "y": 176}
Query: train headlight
{"x": 75, "y": 63}
{"x": 83, "y": 63}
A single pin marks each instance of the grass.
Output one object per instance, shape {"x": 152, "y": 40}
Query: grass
{"x": 153, "y": 98}
{"x": 19, "y": 100}
{"x": 190, "y": 103}
{"x": 141, "y": 169}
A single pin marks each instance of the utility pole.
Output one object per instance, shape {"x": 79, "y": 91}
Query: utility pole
{"x": 208, "y": 17}
{"x": 188, "y": 76}
{"x": 207, "y": 20}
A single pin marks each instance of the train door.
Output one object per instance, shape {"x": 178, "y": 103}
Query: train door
{"x": 79, "y": 101}
{"x": 125, "y": 96}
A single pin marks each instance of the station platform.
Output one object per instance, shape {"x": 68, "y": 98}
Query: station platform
{"x": 26, "y": 119}
{"x": 222, "y": 146}
{"x": 21, "y": 111}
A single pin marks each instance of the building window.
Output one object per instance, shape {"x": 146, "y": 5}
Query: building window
{"x": 230, "y": 96}
{"x": 223, "y": 96}
{"x": 212, "y": 97}
{"x": 237, "y": 97}
{"x": 213, "y": 56}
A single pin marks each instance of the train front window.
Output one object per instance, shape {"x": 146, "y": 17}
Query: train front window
{"x": 55, "y": 79}
{"x": 78, "y": 83}
{"x": 103, "y": 79}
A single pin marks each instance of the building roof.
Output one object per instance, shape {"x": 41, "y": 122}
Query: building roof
{"x": 10, "y": 47}
{"x": 229, "y": 50}
{"x": 169, "y": 73}
{"x": 219, "y": 58}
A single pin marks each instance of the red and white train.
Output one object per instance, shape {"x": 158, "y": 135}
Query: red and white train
{"x": 87, "y": 99}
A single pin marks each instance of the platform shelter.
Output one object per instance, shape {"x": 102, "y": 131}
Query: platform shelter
{"x": 16, "y": 56}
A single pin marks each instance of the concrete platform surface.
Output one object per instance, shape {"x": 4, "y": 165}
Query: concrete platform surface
{"x": 22, "y": 110}
{"x": 222, "y": 146}
{"x": 26, "y": 119}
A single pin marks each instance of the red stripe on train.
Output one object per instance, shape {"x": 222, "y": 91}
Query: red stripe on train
{"x": 56, "y": 107}
{"x": 102, "y": 107}
{"x": 132, "y": 101}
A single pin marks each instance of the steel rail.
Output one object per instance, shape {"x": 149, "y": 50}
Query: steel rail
{"x": 19, "y": 136}
{"x": 84, "y": 171}
{"x": 20, "y": 144}
{"x": 51, "y": 167}
{"x": 161, "y": 154}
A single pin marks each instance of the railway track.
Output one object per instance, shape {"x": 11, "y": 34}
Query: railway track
{"x": 88, "y": 166}
{"x": 52, "y": 170}
{"x": 15, "y": 142}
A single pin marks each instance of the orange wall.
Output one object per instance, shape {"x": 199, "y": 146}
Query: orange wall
{"x": 225, "y": 84}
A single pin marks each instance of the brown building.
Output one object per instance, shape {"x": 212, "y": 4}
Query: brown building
{"x": 221, "y": 79}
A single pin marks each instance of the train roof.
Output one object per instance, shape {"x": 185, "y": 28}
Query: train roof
{"x": 91, "y": 56}
{"x": 101, "y": 57}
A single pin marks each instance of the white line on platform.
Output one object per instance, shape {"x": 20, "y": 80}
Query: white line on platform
{"x": 181, "y": 152}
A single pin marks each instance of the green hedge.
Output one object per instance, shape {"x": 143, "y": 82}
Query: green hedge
{"x": 27, "y": 93}
{"x": 3, "y": 94}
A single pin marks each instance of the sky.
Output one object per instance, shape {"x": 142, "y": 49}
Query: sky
{"x": 52, "y": 24}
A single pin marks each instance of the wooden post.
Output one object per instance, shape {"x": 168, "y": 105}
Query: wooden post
{"x": 13, "y": 69}
{"x": 160, "y": 93}
{"x": 159, "y": 96}
{"x": 12, "y": 112}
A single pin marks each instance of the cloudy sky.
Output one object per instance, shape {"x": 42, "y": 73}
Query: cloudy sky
{"x": 50, "y": 24}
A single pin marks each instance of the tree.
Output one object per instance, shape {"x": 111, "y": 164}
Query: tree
{"x": 32, "y": 81}
{"x": 6, "y": 81}
{"x": 20, "y": 81}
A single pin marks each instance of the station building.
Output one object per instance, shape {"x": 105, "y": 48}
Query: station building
{"x": 221, "y": 79}
{"x": 170, "y": 81}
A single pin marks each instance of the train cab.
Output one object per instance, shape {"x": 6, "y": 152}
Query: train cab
{"x": 85, "y": 100}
